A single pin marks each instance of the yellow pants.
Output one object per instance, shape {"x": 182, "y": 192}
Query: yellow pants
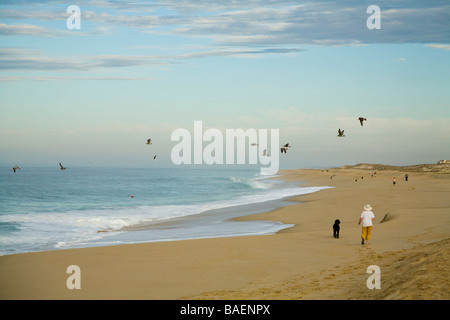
{"x": 365, "y": 234}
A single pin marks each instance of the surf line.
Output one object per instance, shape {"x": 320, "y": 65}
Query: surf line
{"x": 213, "y": 153}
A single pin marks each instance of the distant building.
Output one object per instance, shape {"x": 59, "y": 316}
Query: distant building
{"x": 443, "y": 161}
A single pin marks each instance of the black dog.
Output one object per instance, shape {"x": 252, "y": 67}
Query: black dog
{"x": 336, "y": 229}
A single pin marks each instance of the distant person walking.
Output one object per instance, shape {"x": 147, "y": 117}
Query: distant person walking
{"x": 406, "y": 177}
{"x": 366, "y": 218}
{"x": 394, "y": 181}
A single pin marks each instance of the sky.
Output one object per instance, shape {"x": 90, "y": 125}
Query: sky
{"x": 141, "y": 69}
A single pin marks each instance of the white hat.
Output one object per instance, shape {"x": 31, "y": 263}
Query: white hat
{"x": 367, "y": 207}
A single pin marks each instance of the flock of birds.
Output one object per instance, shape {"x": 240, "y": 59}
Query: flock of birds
{"x": 286, "y": 146}
{"x": 341, "y": 132}
{"x": 149, "y": 141}
{"x": 283, "y": 149}
{"x": 15, "y": 168}
{"x": 265, "y": 154}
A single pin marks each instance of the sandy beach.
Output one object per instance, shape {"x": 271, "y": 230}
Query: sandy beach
{"x": 409, "y": 243}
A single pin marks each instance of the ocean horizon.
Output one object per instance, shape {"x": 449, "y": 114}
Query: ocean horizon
{"x": 44, "y": 208}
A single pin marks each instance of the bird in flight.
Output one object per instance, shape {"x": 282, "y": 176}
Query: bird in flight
{"x": 284, "y": 148}
{"x": 149, "y": 141}
{"x": 361, "y": 120}
{"x": 154, "y": 158}
{"x": 15, "y": 168}
{"x": 341, "y": 133}
{"x": 62, "y": 168}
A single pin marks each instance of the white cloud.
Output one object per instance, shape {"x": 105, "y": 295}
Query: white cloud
{"x": 31, "y": 60}
{"x": 25, "y": 30}
{"x": 438, "y": 46}
{"x": 262, "y": 22}
{"x": 14, "y": 59}
{"x": 69, "y": 78}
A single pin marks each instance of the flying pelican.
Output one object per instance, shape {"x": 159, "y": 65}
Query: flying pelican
{"x": 154, "y": 158}
{"x": 15, "y": 168}
{"x": 62, "y": 168}
{"x": 149, "y": 141}
{"x": 361, "y": 119}
{"x": 341, "y": 133}
{"x": 284, "y": 149}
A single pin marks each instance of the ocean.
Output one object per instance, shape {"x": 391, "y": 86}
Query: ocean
{"x": 45, "y": 208}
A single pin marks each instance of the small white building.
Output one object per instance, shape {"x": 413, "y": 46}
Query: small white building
{"x": 443, "y": 161}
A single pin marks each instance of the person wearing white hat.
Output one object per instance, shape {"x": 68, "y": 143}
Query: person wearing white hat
{"x": 366, "y": 218}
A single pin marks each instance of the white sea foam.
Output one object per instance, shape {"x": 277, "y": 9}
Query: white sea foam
{"x": 72, "y": 228}
{"x": 55, "y": 228}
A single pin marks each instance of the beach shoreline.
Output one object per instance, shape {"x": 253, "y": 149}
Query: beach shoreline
{"x": 300, "y": 262}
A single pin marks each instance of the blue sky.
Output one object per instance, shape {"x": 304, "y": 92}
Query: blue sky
{"x": 141, "y": 69}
